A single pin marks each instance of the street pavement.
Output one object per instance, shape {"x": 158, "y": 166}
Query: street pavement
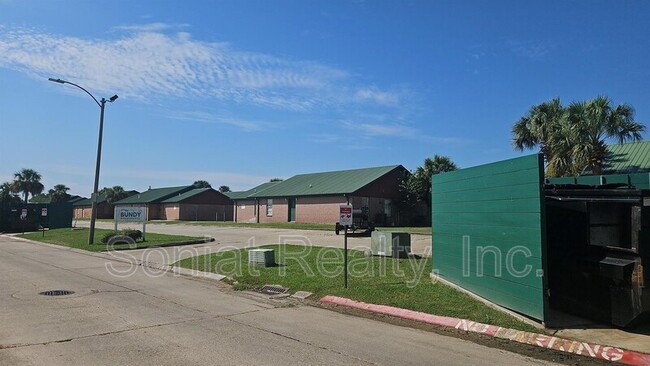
{"x": 131, "y": 315}
{"x": 227, "y": 238}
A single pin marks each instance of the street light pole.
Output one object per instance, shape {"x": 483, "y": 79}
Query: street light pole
{"x": 93, "y": 199}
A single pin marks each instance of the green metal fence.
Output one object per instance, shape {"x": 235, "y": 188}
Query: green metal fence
{"x": 489, "y": 232}
{"x": 16, "y": 217}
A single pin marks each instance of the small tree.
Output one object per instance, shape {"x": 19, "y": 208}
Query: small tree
{"x": 224, "y": 189}
{"x": 114, "y": 194}
{"x": 415, "y": 188}
{"x": 202, "y": 184}
{"x": 7, "y": 193}
{"x": 59, "y": 193}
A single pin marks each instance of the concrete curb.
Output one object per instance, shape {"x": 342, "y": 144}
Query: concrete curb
{"x": 602, "y": 352}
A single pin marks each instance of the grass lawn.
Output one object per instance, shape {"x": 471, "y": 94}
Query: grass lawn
{"x": 404, "y": 283}
{"x": 78, "y": 238}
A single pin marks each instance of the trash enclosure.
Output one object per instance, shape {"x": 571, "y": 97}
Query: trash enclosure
{"x": 500, "y": 232}
{"x": 598, "y": 246}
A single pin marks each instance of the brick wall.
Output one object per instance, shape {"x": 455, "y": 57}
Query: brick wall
{"x": 172, "y": 212}
{"x": 280, "y": 210}
{"x": 318, "y": 210}
{"x": 245, "y": 211}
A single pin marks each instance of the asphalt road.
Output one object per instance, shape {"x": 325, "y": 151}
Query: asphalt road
{"x": 143, "y": 317}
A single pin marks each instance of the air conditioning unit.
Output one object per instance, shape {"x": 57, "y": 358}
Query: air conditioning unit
{"x": 390, "y": 244}
{"x": 261, "y": 257}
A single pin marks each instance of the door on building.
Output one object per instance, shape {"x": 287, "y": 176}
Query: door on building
{"x": 292, "y": 209}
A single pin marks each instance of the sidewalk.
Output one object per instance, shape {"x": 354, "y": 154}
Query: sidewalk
{"x": 603, "y": 352}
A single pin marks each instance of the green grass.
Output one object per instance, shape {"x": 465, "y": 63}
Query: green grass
{"x": 78, "y": 238}
{"x": 403, "y": 283}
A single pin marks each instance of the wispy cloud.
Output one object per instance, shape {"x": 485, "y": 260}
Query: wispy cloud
{"x": 376, "y": 129}
{"x": 246, "y": 125}
{"x": 399, "y": 130}
{"x": 377, "y": 96}
{"x": 533, "y": 50}
{"x": 145, "y": 62}
{"x": 151, "y": 27}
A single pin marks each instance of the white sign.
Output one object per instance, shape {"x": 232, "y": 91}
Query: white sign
{"x": 23, "y": 214}
{"x": 138, "y": 214}
{"x": 44, "y": 211}
{"x": 345, "y": 216}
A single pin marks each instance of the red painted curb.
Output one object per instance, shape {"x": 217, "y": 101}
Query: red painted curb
{"x": 535, "y": 339}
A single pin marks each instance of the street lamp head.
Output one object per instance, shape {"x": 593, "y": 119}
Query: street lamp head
{"x": 113, "y": 98}
{"x": 57, "y": 80}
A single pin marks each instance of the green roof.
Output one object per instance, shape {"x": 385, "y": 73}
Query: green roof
{"x": 101, "y": 198}
{"x": 327, "y": 183}
{"x": 154, "y": 195}
{"x": 633, "y": 157}
{"x": 240, "y": 195}
{"x": 183, "y": 196}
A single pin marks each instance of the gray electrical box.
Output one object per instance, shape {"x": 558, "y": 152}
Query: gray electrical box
{"x": 390, "y": 244}
{"x": 261, "y": 257}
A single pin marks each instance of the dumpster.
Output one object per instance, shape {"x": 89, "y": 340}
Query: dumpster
{"x": 598, "y": 242}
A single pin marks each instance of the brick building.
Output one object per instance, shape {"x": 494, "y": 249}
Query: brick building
{"x": 316, "y": 197}
{"x": 201, "y": 204}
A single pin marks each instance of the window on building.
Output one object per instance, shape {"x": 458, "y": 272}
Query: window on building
{"x": 269, "y": 207}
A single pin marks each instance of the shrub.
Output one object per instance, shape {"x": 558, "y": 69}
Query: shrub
{"x": 133, "y": 234}
{"x": 108, "y": 237}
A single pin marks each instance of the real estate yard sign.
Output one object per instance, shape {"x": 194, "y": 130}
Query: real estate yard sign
{"x": 131, "y": 214}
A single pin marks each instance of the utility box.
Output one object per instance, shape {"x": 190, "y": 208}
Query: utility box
{"x": 261, "y": 257}
{"x": 390, "y": 244}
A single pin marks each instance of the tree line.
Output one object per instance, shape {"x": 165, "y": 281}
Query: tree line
{"x": 28, "y": 182}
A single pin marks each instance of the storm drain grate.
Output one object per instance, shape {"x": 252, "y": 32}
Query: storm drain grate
{"x": 56, "y": 293}
{"x": 273, "y": 290}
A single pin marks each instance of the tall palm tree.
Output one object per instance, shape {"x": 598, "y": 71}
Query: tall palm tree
{"x": 27, "y": 181}
{"x": 59, "y": 193}
{"x": 594, "y": 122}
{"x": 540, "y": 127}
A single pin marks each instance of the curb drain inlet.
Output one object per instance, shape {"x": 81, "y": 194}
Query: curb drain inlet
{"x": 56, "y": 293}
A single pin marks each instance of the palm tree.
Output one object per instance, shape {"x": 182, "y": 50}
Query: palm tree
{"x": 540, "y": 127}
{"x": 59, "y": 193}
{"x": 114, "y": 194}
{"x": 574, "y": 138}
{"x": 27, "y": 181}
{"x": 420, "y": 181}
{"x": 202, "y": 184}
{"x": 594, "y": 122}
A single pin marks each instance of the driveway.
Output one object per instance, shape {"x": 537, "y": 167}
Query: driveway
{"x": 227, "y": 238}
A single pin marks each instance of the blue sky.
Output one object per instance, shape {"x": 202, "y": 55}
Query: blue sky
{"x": 238, "y": 92}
